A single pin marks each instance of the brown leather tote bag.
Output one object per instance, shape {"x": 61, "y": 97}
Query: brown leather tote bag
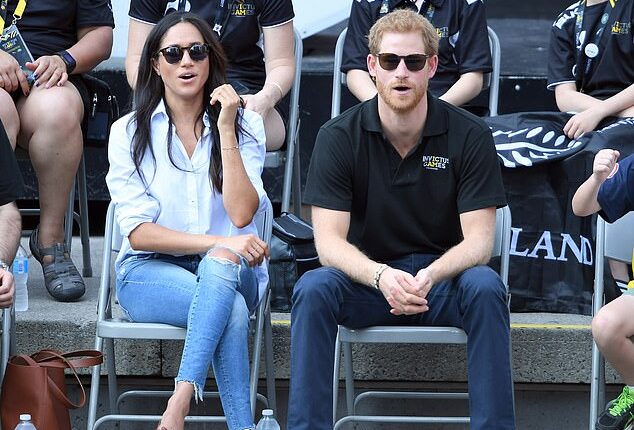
{"x": 36, "y": 385}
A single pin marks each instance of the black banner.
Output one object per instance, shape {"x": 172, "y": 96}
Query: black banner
{"x": 552, "y": 250}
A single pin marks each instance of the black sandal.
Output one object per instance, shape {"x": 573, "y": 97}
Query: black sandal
{"x": 61, "y": 277}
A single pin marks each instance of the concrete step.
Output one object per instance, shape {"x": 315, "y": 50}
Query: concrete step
{"x": 547, "y": 348}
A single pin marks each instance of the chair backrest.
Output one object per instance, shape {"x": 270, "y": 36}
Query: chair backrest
{"x": 491, "y": 80}
{"x": 494, "y": 76}
{"x": 338, "y": 78}
{"x": 614, "y": 241}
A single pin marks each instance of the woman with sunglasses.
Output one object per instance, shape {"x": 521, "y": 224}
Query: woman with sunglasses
{"x": 185, "y": 176}
{"x": 257, "y": 36}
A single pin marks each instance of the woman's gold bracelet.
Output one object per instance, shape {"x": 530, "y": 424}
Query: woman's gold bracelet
{"x": 229, "y": 148}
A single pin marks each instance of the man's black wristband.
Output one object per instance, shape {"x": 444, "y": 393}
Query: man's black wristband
{"x": 68, "y": 60}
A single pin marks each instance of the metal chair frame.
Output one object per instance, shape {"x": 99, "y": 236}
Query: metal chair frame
{"x": 614, "y": 241}
{"x": 491, "y": 80}
{"x": 409, "y": 334}
{"x": 289, "y": 157}
{"x": 109, "y": 328}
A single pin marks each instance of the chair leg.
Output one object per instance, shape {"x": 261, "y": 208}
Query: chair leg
{"x": 94, "y": 389}
{"x": 255, "y": 361}
{"x": 68, "y": 218}
{"x": 347, "y": 356}
{"x": 297, "y": 177}
{"x": 595, "y": 385}
{"x": 270, "y": 364}
{"x": 84, "y": 224}
{"x": 113, "y": 390}
{"x": 7, "y": 319}
{"x": 335, "y": 379}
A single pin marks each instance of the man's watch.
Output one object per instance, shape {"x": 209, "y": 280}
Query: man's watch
{"x": 68, "y": 60}
{"x": 4, "y": 266}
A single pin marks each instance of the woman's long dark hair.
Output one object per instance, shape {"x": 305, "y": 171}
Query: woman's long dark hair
{"x": 150, "y": 90}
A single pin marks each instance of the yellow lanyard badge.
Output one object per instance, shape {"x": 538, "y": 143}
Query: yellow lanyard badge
{"x": 17, "y": 13}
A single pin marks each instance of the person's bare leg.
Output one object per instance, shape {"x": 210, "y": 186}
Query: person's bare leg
{"x": 612, "y": 329}
{"x": 274, "y": 130}
{"x": 51, "y": 131}
{"x": 177, "y": 407}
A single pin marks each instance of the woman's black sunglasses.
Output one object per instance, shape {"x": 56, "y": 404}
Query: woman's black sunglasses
{"x": 413, "y": 62}
{"x": 197, "y": 52}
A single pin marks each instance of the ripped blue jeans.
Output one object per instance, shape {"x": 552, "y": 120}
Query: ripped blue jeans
{"x": 209, "y": 296}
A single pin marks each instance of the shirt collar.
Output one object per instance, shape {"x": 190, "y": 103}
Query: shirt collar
{"x": 435, "y": 123}
{"x": 161, "y": 112}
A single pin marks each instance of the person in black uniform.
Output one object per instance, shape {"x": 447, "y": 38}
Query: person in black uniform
{"x": 463, "y": 54}
{"x": 431, "y": 169}
{"x": 262, "y": 80}
{"x": 66, "y": 38}
{"x": 10, "y": 223}
{"x": 591, "y": 63}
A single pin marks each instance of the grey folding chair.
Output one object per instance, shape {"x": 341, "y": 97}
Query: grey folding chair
{"x": 80, "y": 217}
{"x": 288, "y": 156}
{"x": 491, "y": 80}
{"x": 614, "y": 241}
{"x": 110, "y": 328}
{"x": 409, "y": 334}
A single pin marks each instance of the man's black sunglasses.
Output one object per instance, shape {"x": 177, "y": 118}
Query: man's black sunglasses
{"x": 173, "y": 54}
{"x": 413, "y": 62}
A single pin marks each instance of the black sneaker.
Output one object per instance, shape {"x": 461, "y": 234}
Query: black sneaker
{"x": 620, "y": 412}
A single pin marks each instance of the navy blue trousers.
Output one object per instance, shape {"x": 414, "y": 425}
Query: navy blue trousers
{"x": 475, "y": 300}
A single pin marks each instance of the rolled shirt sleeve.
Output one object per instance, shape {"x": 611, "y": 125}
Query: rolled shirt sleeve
{"x": 127, "y": 190}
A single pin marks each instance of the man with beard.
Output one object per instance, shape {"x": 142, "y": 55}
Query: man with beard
{"x": 403, "y": 189}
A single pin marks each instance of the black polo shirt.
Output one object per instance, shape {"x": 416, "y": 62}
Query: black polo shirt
{"x": 239, "y": 36}
{"x": 50, "y": 26}
{"x": 461, "y": 26}
{"x": 613, "y": 69}
{"x": 403, "y": 206}
{"x": 11, "y": 186}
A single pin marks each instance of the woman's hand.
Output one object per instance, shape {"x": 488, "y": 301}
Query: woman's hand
{"x": 50, "y": 70}
{"x": 229, "y": 103}
{"x": 11, "y": 75}
{"x": 250, "y": 246}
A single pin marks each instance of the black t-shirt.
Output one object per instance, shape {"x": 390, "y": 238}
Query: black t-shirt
{"x": 11, "y": 186}
{"x": 461, "y": 26}
{"x": 50, "y": 26}
{"x": 613, "y": 69}
{"x": 239, "y": 36}
{"x": 403, "y": 206}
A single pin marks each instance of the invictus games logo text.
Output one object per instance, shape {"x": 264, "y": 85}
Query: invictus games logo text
{"x": 243, "y": 8}
{"x": 434, "y": 162}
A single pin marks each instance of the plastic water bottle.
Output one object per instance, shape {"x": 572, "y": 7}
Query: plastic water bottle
{"x": 267, "y": 422}
{"x": 25, "y": 423}
{"x": 21, "y": 275}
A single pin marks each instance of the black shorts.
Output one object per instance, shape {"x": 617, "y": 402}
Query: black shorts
{"x": 11, "y": 186}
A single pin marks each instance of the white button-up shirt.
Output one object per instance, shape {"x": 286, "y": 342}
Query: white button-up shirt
{"x": 180, "y": 198}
